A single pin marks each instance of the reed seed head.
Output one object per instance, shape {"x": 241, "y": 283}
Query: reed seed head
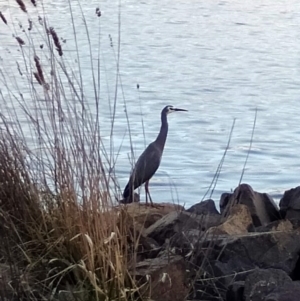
{"x": 55, "y": 38}
{"x": 22, "y": 5}
{"x": 20, "y": 41}
{"x": 3, "y": 18}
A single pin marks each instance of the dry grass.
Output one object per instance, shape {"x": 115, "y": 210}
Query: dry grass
{"x": 61, "y": 237}
{"x": 53, "y": 242}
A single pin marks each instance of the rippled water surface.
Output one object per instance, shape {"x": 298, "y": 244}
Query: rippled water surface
{"x": 218, "y": 59}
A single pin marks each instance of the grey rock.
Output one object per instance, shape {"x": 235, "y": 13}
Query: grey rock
{"x": 290, "y": 204}
{"x": 180, "y": 223}
{"x": 205, "y": 207}
{"x": 263, "y": 281}
{"x": 278, "y": 250}
{"x": 229, "y": 259}
{"x": 287, "y": 292}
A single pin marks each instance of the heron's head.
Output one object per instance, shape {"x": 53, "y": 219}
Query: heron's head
{"x": 170, "y": 109}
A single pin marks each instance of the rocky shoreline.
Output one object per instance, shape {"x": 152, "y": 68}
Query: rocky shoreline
{"x": 248, "y": 251}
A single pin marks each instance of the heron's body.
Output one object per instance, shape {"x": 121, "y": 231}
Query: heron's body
{"x": 149, "y": 161}
{"x": 146, "y": 166}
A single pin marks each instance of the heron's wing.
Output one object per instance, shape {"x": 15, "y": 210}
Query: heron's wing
{"x": 146, "y": 165}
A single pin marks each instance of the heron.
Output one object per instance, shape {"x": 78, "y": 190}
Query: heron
{"x": 149, "y": 161}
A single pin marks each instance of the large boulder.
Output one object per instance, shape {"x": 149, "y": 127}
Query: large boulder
{"x": 290, "y": 204}
{"x": 226, "y": 259}
{"x": 278, "y": 250}
{"x": 162, "y": 278}
{"x": 261, "y": 282}
{"x": 262, "y": 207}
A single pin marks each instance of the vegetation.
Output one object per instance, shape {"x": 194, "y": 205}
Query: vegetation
{"x": 60, "y": 233}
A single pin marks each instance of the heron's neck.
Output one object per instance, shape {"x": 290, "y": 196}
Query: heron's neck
{"x": 162, "y": 136}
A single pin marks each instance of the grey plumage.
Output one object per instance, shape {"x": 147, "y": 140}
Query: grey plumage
{"x": 149, "y": 161}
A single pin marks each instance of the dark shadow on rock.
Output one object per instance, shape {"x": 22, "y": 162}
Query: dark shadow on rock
{"x": 147, "y": 248}
{"x": 224, "y": 200}
{"x": 295, "y": 275}
{"x": 235, "y": 291}
{"x": 290, "y": 204}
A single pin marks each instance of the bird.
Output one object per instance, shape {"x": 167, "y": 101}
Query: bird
{"x": 149, "y": 161}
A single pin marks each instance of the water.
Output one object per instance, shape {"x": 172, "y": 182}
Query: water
{"x": 220, "y": 60}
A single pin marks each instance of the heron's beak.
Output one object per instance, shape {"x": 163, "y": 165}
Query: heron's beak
{"x": 183, "y": 110}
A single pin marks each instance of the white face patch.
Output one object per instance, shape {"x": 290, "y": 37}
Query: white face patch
{"x": 170, "y": 109}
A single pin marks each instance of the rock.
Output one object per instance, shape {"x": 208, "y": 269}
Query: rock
{"x": 166, "y": 277}
{"x": 277, "y": 250}
{"x": 169, "y": 225}
{"x": 238, "y": 222}
{"x": 287, "y": 292}
{"x": 180, "y": 222}
{"x": 263, "y": 281}
{"x": 235, "y": 291}
{"x": 290, "y": 204}
{"x": 280, "y": 225}
{"x": 205, "y": 207}
{"x": 147, "y": 248}
{"x": 262, "y": 207}
{"x": 296, "y": 272}
{"x": 229, "y": 259}
{"x": 295, "y": 223}
{"x": 147, "y": 215}
{"x": 224, "y": 199}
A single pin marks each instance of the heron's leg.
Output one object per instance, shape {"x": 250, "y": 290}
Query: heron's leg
{"x": 148, "y": 193}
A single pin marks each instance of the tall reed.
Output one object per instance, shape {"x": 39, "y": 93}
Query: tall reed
{"x": 60, "y": 231}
